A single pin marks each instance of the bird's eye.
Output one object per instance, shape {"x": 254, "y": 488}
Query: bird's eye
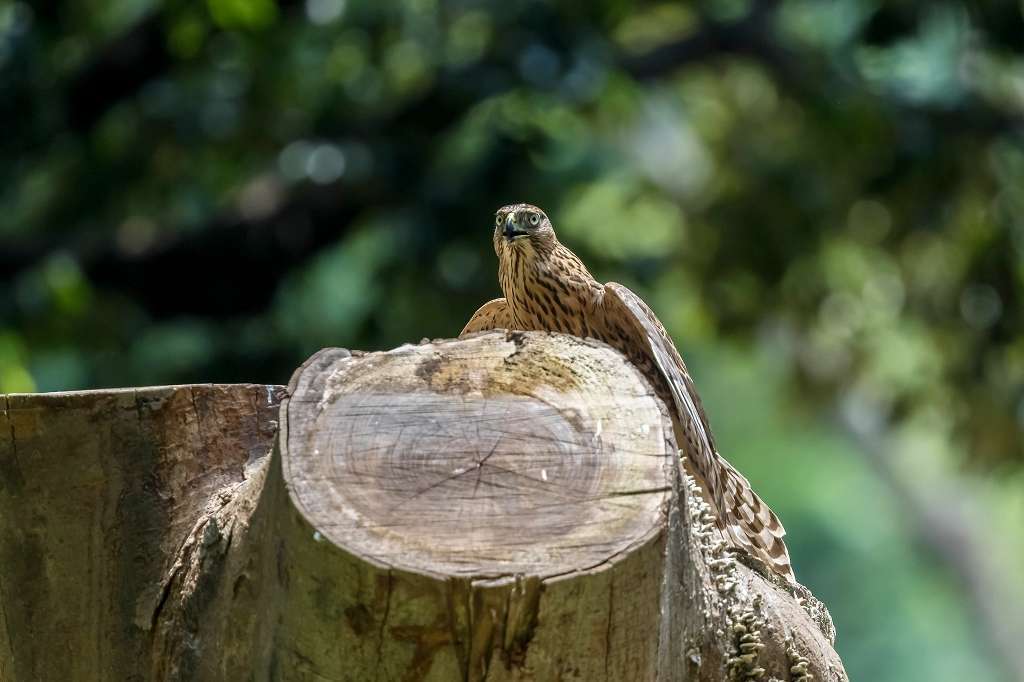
{"x": 497, "y": 220}
{"x": 534, "y": 219}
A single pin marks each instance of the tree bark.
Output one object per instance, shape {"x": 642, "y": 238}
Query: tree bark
{"x": 504, "y": 507}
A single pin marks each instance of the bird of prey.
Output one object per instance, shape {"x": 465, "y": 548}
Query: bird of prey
{"x": 548, "y": 288}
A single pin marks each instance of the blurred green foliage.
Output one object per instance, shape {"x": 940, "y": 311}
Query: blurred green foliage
{"x": 823, "y": 200}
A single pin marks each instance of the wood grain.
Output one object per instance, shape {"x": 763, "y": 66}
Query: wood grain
{"x": 480, "y": 458}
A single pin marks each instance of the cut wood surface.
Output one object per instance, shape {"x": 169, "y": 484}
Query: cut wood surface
{"x": 504, "y": 507}
{"x": 483, "y": 459}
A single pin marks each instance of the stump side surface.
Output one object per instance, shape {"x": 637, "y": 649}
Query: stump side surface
{"x": 98, "y": 490}
{"x": 491, "y": 456}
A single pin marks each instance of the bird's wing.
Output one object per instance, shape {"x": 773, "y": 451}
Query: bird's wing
{"x": 647, "y": 329}
{"x": 491, "y": 315}
{"x": 748, "y": 521}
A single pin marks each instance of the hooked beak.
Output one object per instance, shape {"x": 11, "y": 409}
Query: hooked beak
{"x": 512, "y": 230}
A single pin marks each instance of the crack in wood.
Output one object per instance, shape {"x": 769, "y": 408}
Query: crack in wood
{"x": 608, "y": 627}
{"x": 383, "y": 623}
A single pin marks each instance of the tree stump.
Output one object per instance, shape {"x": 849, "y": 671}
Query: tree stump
{"x": 504, "y": 507}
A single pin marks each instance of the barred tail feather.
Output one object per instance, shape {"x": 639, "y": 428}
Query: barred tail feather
{"x": 751, "y": 525}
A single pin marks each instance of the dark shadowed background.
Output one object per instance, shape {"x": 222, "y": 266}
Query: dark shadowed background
{"x": 822, "y": 199}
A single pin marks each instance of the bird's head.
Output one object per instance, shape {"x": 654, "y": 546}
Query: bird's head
{"x": 524, "y": 228}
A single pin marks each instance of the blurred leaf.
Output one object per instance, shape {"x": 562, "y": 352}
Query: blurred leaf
{"x": 242, "y": 13}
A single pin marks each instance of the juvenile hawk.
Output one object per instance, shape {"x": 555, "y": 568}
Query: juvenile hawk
{"x": 547, "y": 288}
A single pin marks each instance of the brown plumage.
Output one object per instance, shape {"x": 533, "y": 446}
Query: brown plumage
{"x": 548, "y": 288}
